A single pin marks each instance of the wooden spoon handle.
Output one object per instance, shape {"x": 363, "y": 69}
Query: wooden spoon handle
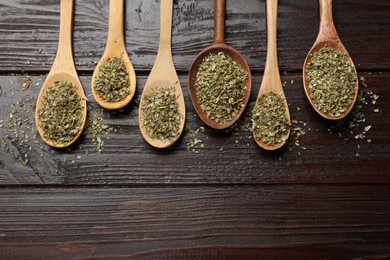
{"x": 219, "y": 21}
{"x": 64, "y": 57}
{"x": 166, "y": 12}
{"x": 271, "y": 67}
{"x": 327, "y": 29}
{"x": 116, "y": 23}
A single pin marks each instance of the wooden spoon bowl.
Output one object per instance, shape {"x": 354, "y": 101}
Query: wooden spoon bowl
{"x": 115, "y": 48}
{"x": 218, "y": 46}
{"x": 163, "y": 74}
{"x": 63, "y": 69}
{"x": 279, "y": 145}
{"x": 327, "y": 36}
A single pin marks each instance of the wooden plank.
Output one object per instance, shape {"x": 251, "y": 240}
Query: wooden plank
{"x": 230, "y": 158}
{"x": 29, "y": 32}
{"x": 196, "y": 222}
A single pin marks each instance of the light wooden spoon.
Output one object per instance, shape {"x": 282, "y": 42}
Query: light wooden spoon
{"x": 163, "y": 74}
{"x": 327, "y": 35}
{"x": 63, "y": 69}
{"x": 219, "y": 45}
{"x": 115, "y": 48}
{"x": 271, "y": 79}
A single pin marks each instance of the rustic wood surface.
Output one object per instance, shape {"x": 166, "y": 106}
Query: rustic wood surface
{"x": 329, "y": 197}
{"x": 195, "y": 222}
{"x": 29, "y": 32}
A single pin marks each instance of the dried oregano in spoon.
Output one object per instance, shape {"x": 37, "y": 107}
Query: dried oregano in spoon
{"x": 160, "y": 110}
{"x": 220, "y": 87}
{"x": 112, "y": 83}
{"x": 269, "y": 121}
{"x": 331, "y": 79}
{"x": 61, "y": 114}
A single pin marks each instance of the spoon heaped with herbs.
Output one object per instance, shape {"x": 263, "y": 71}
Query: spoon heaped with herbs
{"x": 114, "y": 80}
{"x": 270, "y": 116}
{"x": 329, "y": 75}
{"x": 219, "y": 78}
{"x": 162, "y": 108}
{"x": 61, "y": 108}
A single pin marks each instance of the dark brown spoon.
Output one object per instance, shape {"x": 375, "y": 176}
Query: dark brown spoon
{"x": 219, "y": 45}
{"x": 327, "y": 36}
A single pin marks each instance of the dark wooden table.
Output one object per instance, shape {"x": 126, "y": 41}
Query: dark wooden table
{"x": 325, "y": 195}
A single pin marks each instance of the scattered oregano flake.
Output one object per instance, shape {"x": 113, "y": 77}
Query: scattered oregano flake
{"x": 19, "y": 127}
{"x": 96, "y": 127}
{"x": 298, "y": 129}
{"x": 331, "y": 80}
{"x": 61, "y": 114}
{"x": 356, "y": 126}
{"x": 160, "y": 111}
{"x": 113, "y": 83}
{"x": 27, "y": 82}
{"x": 269, "y": 121}
{"x": 220, "y": 87}
{"x": 194, "y": 143}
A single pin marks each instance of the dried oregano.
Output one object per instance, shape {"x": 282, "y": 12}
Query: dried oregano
{"x": 95, "y": 126}
{"x": 331, "y": 79}
{"x": 61, "y": 115}
{"x": 112, "y": 83}
{"x": 160, "y": 111}
{"x": 220, "y": 87}
{"x": 269, "y": 121}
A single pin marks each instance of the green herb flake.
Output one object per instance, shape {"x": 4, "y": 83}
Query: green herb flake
{"x": 220, "y": 87}
{"x": 269, "y": 121}
{"x": 160, "y": 111}
{"x": 113, "y": 83}
{"x": 193, "y": 144}
{"x": 61, "y": 114}
{"x": 24, "y": 161}
{"x": 95, "y": 125}
{"x": 331, "y": 80}
{"x": 26, "y": 84}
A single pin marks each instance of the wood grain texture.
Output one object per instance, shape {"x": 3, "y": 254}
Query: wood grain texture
{"x": 195, "y": 222}
{"x": 323, "y": 157}
{"x": 29, "y": 32}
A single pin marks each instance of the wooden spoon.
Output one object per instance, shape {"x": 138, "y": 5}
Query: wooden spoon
{"x": 115, "y": 48}
{"x": 219, "y": 45}
{"x": 327, "y": 35}
{"x": 163, "y": 74}
{"x": 63, "y": 69}
{"x": 271, "y": 79}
